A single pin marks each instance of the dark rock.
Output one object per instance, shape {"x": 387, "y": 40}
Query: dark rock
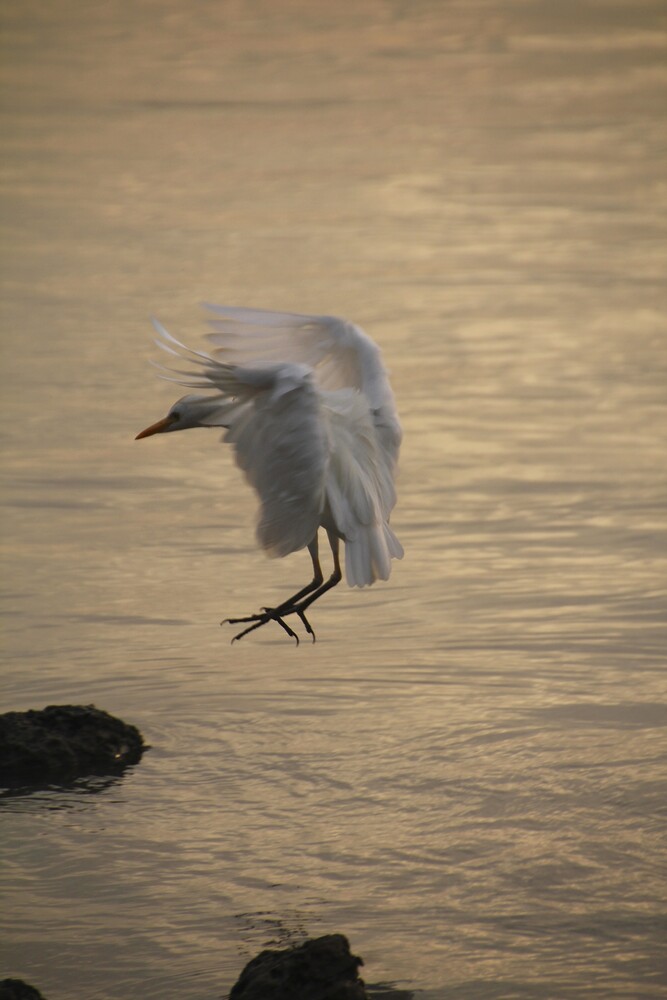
{"x": 64, "y": 741}
{"x": 322, "y": 969}
{"x": 16, "y": 989}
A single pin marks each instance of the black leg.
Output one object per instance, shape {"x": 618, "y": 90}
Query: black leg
{"x": 287, "y": 607}
{"x": 300, "y": 608}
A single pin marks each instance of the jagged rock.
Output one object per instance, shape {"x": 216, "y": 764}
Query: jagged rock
{"x": 16, "y": 989}
{"x": 321, "y": 969}
{"x": 64, "y": 741}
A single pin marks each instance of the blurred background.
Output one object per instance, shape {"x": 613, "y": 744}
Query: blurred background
{"x": 466, "y": 774}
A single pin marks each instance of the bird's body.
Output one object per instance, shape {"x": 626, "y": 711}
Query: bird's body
{"x": 309, "y": 412}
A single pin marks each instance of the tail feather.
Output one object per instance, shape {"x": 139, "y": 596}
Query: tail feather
{"x": 368, "y": 555}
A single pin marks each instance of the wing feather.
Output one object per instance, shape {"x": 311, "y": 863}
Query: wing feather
{"x": 310, "y": 414}
{"x": 279, "y": 441}
{"x": 340, "y": 352}
{"x": 360, "y": 488}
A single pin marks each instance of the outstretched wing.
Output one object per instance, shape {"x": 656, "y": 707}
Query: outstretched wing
{"x": 273, "y": 418}
{"x": 340, "y": 353}
{"x": 310, "y": 413}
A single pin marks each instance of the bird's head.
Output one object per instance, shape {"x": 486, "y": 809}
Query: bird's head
{"x": 188, "y": 411}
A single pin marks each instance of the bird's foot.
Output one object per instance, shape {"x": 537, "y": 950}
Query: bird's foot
{"x": 291, "y": 609}
{"x": 272, "y": 615}
{"x": 306, "y": 624}
{"x": 267, "y": 615}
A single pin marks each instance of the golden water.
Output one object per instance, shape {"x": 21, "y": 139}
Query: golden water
{"x": 466, "y": 773}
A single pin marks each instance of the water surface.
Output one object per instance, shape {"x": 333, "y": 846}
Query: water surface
{"x": 466, "y": 774}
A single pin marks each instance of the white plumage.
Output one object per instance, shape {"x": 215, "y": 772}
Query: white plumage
{"x": 310, "y": 414}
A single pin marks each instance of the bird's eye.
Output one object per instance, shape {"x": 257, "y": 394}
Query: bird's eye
{"x": 175, "y": 414}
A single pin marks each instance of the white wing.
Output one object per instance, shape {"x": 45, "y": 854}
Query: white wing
{"x": 324, "y": 343}
{"x": 360, "y": 488}
{"x": 311, "y": 416}
{"x": 279, "y": 441}
{"x": 275, "y": 427}
{"x": 341, "y": 354}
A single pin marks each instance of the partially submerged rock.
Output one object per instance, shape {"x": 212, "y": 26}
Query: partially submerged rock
{"x": 63, "y": 742}
{"x": 16, "y": 989}
{"x": 321, "y": 969}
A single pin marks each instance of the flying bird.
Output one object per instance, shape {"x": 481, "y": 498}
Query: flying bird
{"x": 307, "y": 407}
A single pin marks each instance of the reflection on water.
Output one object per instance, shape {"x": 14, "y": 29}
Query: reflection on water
{"x": 60, "y": 794}
{"x": 465, "y": 774}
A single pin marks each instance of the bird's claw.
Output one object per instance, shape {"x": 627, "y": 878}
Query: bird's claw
{"x": 306, "y": 624}
{"x": 272, "y": 615}
{"x": 269, "y": 615}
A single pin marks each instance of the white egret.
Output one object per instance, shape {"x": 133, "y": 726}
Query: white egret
{"x": 307, "y": 406}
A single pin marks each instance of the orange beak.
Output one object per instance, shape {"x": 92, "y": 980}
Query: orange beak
{"x": 157, "y": 428}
